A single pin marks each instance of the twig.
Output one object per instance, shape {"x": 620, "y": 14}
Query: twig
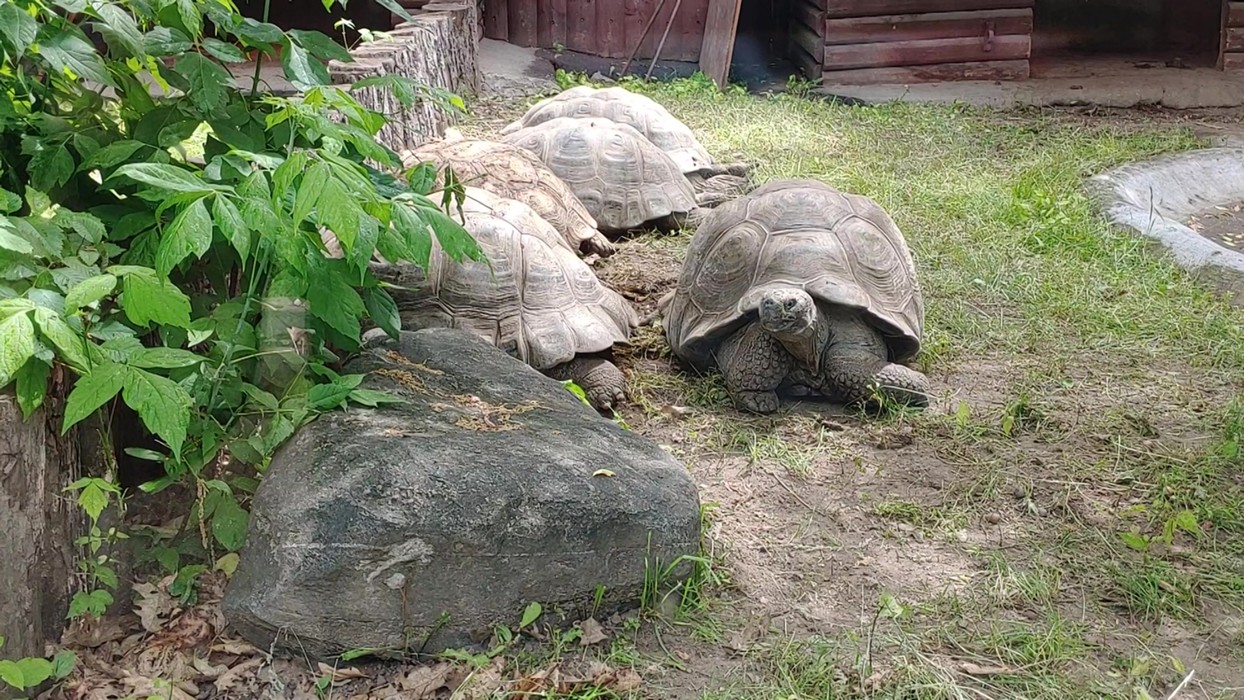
{"x": 657, "y": 55}
{"x": 647, "y": 28}
{"x": 1182, "y": 684}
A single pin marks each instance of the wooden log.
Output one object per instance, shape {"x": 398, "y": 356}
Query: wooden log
{"x": 1233, "y": 61}
{"x": 809, "y": 14}
{"x": 522, "y": 22}
{"x": 926, "y": 52}
{"x": 1235, "y": 39}
{"x": 872, "y": 8}
{"x": 496, "y": 20}
{"x": 937, "y": 25}
{"x": 807, "y": 65}
{"x": 40, "y": 523}
{"x": 1235, "y": 14}
{"x": 804, "y": 38}
{"x": 437, "y": 49}
{"x": 976, "y": 70}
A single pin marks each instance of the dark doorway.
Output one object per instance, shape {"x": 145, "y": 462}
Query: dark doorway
{"x": 1107, "y": 35}
{"x": 761, "y": 45}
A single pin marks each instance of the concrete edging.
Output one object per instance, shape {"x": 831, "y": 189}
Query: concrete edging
{"x": 1153, "y": 197}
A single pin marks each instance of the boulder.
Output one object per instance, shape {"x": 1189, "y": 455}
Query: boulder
{"x": 422, "y": 525}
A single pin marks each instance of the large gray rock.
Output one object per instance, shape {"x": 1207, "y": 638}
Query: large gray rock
{"x": 425, "y": 524}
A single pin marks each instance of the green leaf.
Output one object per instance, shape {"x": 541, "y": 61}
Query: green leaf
{"x": 93, "y": 498}
{"x": 259, "y": 33}
{"x": 530, "y": 615}
{"x": 208, "y": 80}
{"x": 96, "y": 603}
{"x": 167, "y": 41}
{"x": 162, "y": 404}
{"x": 92, "y": 391}
{"x": 9, "y": 240}
{"x": 149, "y": 298}
{"x": 9, "y": 202}
{"x": 336, "y": 303}
{"x": 1135, "y": 540}
{"x": 383, "y": 310}
{"x": 17, "y": 30}
{"x": 32, "y": 385}
{"x": 229, "y": 522}
{"x": 455, "y": 240}
{"x": 119, "y": 29}
{"x": 63, "y": 664}
{"x": 66, "y": 50}
{"x": 327, "y": 396}
{"x": 34, "y": 670}
{"x": 231, "y": 224}
{"x": 89, "y": 291}
{"x": 164, "y": 358}
{"x": 301, "y": 69}
{"x": 321, "y": 46}
{"x": 394, "y": 7}
{"x": 113, "y": 153}
{"x": 17, "y": 344}
{"x": 11, "y": 674}
{"x": 189, "y": 232}
{"x": 191, "y": 16}
{"x": 166, "y": 177}
{"x": 106, "y": 576}
{"x": 309, "y": 190}
{"x": 373, "y": 398}
{"x": 1187, "y": 521}
{"x": 88, "y": 226}
{"x": 224, "y": 51}
{"x": 51, "y": 166}
{"x": 70, "y": 343}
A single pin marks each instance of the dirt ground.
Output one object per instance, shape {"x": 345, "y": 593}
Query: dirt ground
{"x": 1011, "y": 541}
{"x": 1222, "y": 225}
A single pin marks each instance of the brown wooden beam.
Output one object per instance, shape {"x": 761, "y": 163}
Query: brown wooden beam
{"x": 926, "y": 52}
{"x": 976, "y": 70}
{"x": 872, "y": 8}
{"x": 937, "y": 25}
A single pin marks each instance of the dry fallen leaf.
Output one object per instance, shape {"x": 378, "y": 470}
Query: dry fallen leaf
{"x": 154, "y": 606}
{"x": 230, "y": 678}
{"x": 423, "y": 681}
{"x": 602, "y": 472}
{"x": 342, "y": 673}
{"x": 592, "y": 632}
{"x": 676, "y": 411}
{"x": 236, "y": 647}
{"x": 482, "y": 683}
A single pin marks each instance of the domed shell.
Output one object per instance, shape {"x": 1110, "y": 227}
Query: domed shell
{"x": 622, "y": 179}
{"x": 841, "y": 248}
{"x": 531, "y": 296}
{"x": 618, "y": 104}
{"x": 514, "y": 173}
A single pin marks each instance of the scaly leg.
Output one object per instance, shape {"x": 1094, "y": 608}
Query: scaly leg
{"x": 754, "y": 365}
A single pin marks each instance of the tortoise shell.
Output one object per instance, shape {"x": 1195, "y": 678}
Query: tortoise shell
{"x": 618, "y": 104}
{"x": 622, "y": 179}
{"x": 514, "y": 173}
{"x": 531, "y": 296}
{"x": 840, "y": 248}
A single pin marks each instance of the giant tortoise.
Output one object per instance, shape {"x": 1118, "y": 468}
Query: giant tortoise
{"x": 652, "y": 120}
{"x": 512, "y": 172}
{"x": 531, "y": 296}
{"x": 623, "y": 180}
{"x": 798, "y": 286}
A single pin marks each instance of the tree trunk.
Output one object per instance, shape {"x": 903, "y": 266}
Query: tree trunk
{"x": 439, "y": 49}
{"x": 40, "y": 522}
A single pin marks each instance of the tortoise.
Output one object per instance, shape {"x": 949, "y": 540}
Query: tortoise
{"x": 515, "y": 173}
{"x": 531, "y": 297}
{"x": 798, "y": 287}
{"x": 623, "y": 180}
{"x": 652, "y": 120}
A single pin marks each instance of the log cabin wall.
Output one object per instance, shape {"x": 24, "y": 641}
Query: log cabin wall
{"x": 608, "y": 28}
{"x": 1233, "y": 37}
{"x": 911, "y": 41}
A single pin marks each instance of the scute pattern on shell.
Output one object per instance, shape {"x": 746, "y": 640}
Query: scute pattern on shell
{"x": 841, "y": 248}
{"x": 621, "y": 178}
{"x": 620, "y": 105}
{"x": 539, "y": 301}
{"x": 514, "y": 173}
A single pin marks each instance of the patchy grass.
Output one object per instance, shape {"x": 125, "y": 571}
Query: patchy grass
{"x": 1064, "y": 522}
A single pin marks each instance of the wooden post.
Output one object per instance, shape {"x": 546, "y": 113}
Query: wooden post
{"x": 40, "y": 522}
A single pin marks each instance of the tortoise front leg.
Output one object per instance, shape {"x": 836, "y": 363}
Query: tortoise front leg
{"x": 753, "y": 364}
{"x": 856, "y": 364}
{"x": 601, "y": 380}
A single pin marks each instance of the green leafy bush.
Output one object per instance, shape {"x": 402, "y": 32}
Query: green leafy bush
{"x": 194, "y": 291}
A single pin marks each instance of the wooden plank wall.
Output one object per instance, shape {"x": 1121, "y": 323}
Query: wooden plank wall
{"x": 1233, "y": 39}
{"x": 608, "y": 28}
{"x": 912, "y": 41}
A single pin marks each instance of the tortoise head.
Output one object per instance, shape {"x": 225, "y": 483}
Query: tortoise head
{"x": 787, "y": 313}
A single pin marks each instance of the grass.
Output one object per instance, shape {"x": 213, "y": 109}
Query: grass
{"x": 1066, "y": 522}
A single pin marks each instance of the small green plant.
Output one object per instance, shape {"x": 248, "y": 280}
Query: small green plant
{"x": 30, "y": 672}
